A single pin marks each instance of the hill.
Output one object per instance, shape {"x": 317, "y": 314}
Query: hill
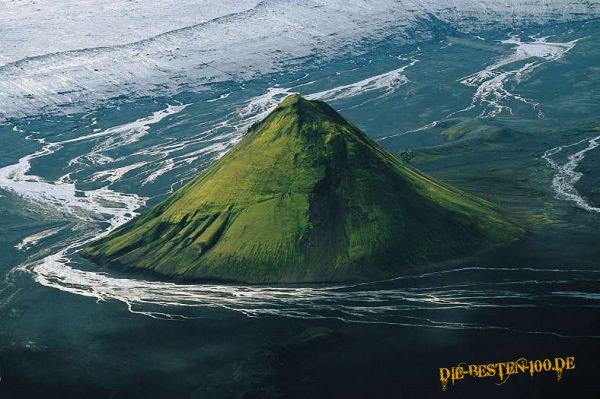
{"x": 305, "y": 197}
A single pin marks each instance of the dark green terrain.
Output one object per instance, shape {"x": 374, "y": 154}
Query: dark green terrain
{"x": 305, "y": 196}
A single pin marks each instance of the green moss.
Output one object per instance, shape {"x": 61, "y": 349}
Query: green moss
{"x": 305, "y": 196}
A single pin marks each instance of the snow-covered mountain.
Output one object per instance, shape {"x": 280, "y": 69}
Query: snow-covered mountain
{"x": 72, "y": 54}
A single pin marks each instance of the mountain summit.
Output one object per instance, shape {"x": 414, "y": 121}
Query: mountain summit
{"x": 305, "y": 196}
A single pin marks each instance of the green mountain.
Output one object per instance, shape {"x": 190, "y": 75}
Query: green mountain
{"x": 305, "y": 196}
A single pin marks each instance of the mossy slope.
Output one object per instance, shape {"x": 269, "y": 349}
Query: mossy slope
{"x": 305, "y": 196}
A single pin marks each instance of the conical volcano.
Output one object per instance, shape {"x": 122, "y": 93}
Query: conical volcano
{"x": 304, "y": 197}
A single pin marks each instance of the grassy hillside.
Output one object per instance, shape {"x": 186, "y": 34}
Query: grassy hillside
{"x": 305, "y": 196}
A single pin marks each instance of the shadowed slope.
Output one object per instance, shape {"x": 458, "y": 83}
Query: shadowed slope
{"x": 305, "y": 196}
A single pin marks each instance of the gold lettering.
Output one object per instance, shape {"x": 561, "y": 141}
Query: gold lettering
{"x": 521, "y": 365}
{"x": 510, "y": 368}
{"x": 506, "y": 369}
{"x": 444, "y": 375}
{"x": 500, "y": 374}
{"x": 481, "y": 371}
{"x": 459, "y": 372}
{"x": 559, "y": 368}
{"x": 472, "y": 370}
{"x": 503, "y": 378}
{"x": 547, "y": 365}
{"x": 531, "y": 369}
{"x": 570, "y": 363}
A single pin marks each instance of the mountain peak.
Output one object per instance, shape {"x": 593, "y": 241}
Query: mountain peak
{"x": 297, "y": 105}
{"x": 293, "y": 99}
{"x": 305, "y": 196}
{"x": 298, "y": 115}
